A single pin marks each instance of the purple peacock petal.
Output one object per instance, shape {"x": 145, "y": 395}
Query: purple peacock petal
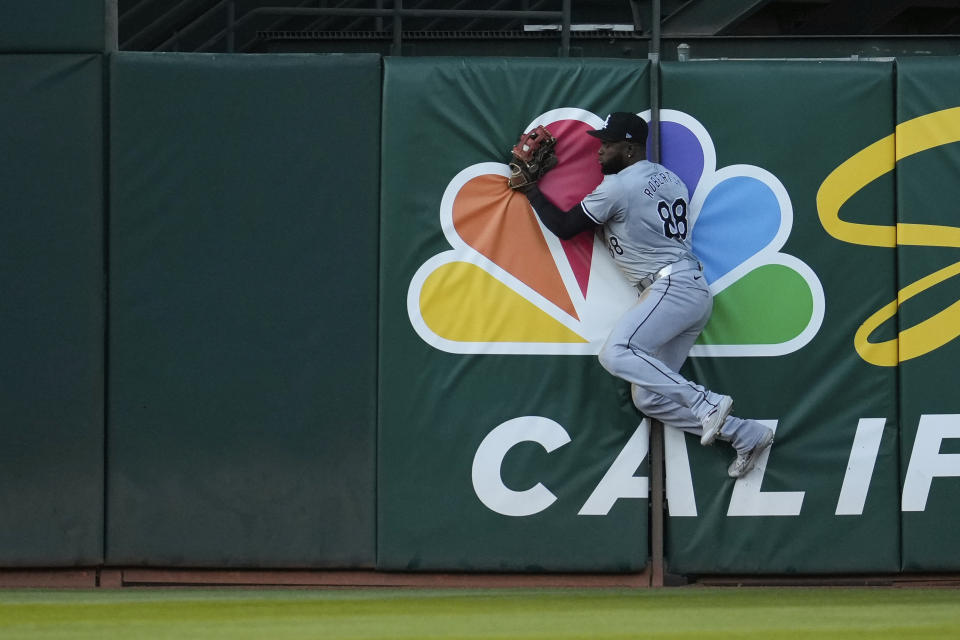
{"x": 681, "y": 152}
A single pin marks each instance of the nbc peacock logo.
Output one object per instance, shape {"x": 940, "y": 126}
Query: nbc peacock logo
{"x": 509, "y": 286}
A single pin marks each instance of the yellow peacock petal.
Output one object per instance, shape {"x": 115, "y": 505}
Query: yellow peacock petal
{"x": 461, "y": 302}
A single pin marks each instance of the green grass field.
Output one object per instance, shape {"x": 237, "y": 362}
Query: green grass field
{"x": 598, "y": 614}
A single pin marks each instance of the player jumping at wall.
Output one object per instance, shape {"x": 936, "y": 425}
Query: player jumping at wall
{"x": 641, "y": 211}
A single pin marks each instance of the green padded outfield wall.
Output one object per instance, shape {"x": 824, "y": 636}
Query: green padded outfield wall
{"x": 243, "y": 310}
{"x": 788, "y": 301}
{"x": 503, "y": 445}
{"x": 51, "y": 310}
{"x": 56, "y": 26}
{"x": 243, "y": 391}
{"x": 928, "y": 190}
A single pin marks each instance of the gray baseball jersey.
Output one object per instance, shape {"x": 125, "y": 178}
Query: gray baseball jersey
{"x": 644, "y": 214}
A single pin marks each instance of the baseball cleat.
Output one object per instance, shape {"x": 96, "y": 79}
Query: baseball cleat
{"x": 714, "y": 420}
{"x": 746, "y": 461}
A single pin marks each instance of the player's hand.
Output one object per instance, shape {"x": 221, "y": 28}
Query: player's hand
{"x": 531, "y": 157}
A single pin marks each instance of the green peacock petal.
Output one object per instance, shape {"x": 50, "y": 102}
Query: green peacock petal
{"x": 770, "y": 305}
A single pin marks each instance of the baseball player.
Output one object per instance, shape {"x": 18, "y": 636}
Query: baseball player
{"x": 641, "y": 212}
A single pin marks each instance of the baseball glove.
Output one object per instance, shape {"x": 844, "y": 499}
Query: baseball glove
{"x": 533, "y": 156}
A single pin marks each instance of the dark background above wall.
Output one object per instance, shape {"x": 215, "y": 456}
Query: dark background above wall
{"x": 600, "y": 28}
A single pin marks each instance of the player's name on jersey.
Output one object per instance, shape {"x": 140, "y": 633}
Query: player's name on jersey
{"x": 657, "y": 181}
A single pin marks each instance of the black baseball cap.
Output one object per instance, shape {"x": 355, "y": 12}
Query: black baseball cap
{"x": 621, "y": 125}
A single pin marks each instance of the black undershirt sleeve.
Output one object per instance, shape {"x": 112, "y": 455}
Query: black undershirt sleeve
{"x": 563, "y": 224}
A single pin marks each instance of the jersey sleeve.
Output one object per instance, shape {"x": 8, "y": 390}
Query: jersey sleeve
{"x": 603, "y": 202}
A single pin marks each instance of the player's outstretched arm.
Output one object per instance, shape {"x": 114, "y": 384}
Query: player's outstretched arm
{"x": 563, "y": 224}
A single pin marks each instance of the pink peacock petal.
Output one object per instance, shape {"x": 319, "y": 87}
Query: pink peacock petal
{"x": 577, "y": 174}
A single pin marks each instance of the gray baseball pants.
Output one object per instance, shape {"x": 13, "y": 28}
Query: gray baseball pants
{"x": 650, "y": 343}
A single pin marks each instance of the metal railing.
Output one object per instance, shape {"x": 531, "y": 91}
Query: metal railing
{"x": 398, "y": 13}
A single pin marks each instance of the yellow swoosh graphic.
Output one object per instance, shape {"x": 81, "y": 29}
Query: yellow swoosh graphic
{"x": 911, "y": 137}
{"x": 846, "y": 180}
{"x": 462, "y": 302}
{"x": 932, "y": 333}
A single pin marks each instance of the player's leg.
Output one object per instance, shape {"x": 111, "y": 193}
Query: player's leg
{"x": 673, "y": 353}
{"x": 748, "y": 437}
{"x": 742, "y": 434}
{"x": 671, "y": 312}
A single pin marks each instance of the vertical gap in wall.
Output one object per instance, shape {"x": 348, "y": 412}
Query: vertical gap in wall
{"x": 898, "y": 393}
{"x": 654, "y": 57}
{"x": 657, "y": 514}
{"x": 377, "y": 307}
{"x": 105, "y": 110}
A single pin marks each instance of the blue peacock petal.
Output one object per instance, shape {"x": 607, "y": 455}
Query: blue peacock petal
{"x": 740, "y": 216}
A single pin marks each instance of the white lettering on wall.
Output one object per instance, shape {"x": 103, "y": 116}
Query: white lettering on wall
{"x": 680, "y": 498}
{"x": 619, "y": 481}
{"x": 749, "y": 500}
{"x": 926, "y": 461}
{"x": 863, "y": 459}
{"x": 487, "y": 480}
